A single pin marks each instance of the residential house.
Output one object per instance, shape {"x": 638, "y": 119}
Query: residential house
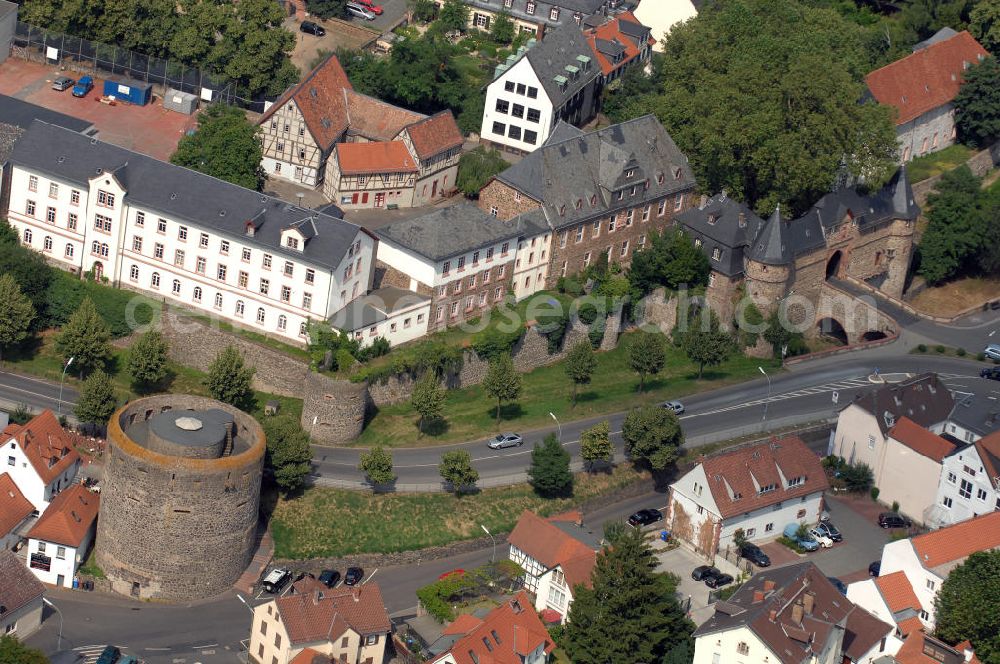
{"x": 890, "y": 598}
{"x": 546, "y": 82}
{"x": 758, "y": 488}
{"x": 183, "y": 236}
{"x": 976, "y": 414}
{"x": 863, "y": 425}
{"x": 558, "y": 554}
{"x": 512, "y": 632}
{"x": 40, "y": 458}
{"x": 928, "y": 559}
{"x": 59, "y": 541}
{"x": 395, "y": 314}
{"x": 414, "y": 159}
{"x": 15, "y": 513}
{"x": 790, "y": 615}
{"x": 20, "y": 598}
{"x": 969, "y": 483}
{"x": 618, "y": 43}
{"x": 342, "y": 624}
{"x": 922, "y": 648}
{"x": 602, "y": 193}
{"x": 535, "y": 18}
{"x": 662, "y": 15}
{"x": 921, "y": 88}
{"x": 461, "y": 258}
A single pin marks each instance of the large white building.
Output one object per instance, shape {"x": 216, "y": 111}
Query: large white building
{"x": 40, "y": 459}
{"x": 58, "y": 543}
{"x": 188, "y": 238}
{"x": 970, "y": 481}
{"x": 759, "y": 489}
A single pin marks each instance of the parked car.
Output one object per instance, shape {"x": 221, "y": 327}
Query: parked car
{"x": 993, "y": 373}
{"x": 329, "y": 577}
{"x": 992, "y": 351}
{"x": 109, "y": 655}
{"x": 805, "y": 542}
{"x": 370, "y": 6}
{"x": 753, "y": 553}
{"x": 276, "y": 579}
{"x": 675, "y": 406}
{"x": 830, "y": 530}
{"x": 645, "y": 517}
{"x": 838, "y": 584}
{"x": 454, "y": 572}
{"x": 893, "y": 520}
{"x": 311, "y": 28}
{"x": 718, "y": 580}
{"x": 820, "y": 536}
{"x": 83, "y": 86}
{"x": 503, "y": 440}
{"x": 875, "y": 568}
{"x": 62, "y": 83}
{"x": 359, "y": 11}
{"x": 129, "y": 659}
{"x": 354, "y": 576}
{"x": 702, "y": 572}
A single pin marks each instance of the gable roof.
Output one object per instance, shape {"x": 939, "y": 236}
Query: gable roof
{"x": 46, "y": 445}
{"x": 920, "y": 440}
{"x": 432, "y": 136}
{"x": 375, "y": 119}
{"x": 897, "y": 592}
{"x": 737, "y": 478}
{"x": 18, "y": 586}
{"x": 623, "y": 35}
{"x": 573, "y": 167}
{"x": 551, "y": 545}
{"x": 945, "y": 548}
{"x": 724, "y": 224}
{"x": 505, "y": 635}
{"x": 374, "y": 157}
{"x": 918, "y": 646}
{"x": 325, "y": 615}
{"x": 320, "y": 100}
{"x": 14, "y": 507}
{"x": 927, "y": 78}
{"x": 310, "y": 656}
{"x": 68, "y": 517}
{"x": 183, "y": 194}
{"x": 988, "y": 448}
{"x": 976, "y": 411}
{"x": 924, "y": 399}
{"x": 560, "y": 49}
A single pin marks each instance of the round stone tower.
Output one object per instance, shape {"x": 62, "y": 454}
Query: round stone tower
{"x": 180, "y": 497}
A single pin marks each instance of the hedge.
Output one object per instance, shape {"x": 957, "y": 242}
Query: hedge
{"x": 117, "y": 307}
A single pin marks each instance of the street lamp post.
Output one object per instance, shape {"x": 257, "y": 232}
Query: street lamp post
{"x": 493, "y": 557}
{"x": 56, "y": 609}
{"x": 61, "y": 381}
{"x": 761, "y": 369}
{"x": 553, "y": 416}
{"x": 240, "y": 597}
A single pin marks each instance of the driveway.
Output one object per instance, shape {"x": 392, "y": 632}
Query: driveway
{"x": 680, "y": 561}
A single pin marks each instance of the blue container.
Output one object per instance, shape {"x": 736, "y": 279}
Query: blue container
{"x": 134, "y": 92}
{"x": 76, "y": 583}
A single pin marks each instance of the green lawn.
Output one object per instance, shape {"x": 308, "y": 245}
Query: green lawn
{"x": 936, "y": 163}
{"x": 326, "y": 522}
{"x": 471, "y": 412}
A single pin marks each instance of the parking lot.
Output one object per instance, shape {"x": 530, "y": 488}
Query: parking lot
{"x": 150, "y": 129}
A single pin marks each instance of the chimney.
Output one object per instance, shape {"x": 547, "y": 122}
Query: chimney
{"x": 356, "y": 594}
{"x": 808, "y": 602}
{"x": 316, "y": 597}
{"x": 758, "y": 597}
{"x": 743, "y": 220}
{"x": 768, "y": 585}
{"x": 772, "y": 615}
{"x": 797, "y": 613}
{"x": 703, "y": 203}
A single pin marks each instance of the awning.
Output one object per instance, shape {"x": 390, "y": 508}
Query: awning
{"x": 551, "y": 616}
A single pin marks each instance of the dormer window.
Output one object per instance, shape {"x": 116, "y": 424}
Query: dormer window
{"x": 629, "y": 173}
{"x": 712, "y": 219}
{"x": 660, "y": 178}
{"x": 593, "y": 200}
{"x": 579, "y": 204}
{"x": 292, "y": 242}
{"x": 677, "y": 172}
{"x": 554, "y": 14}
{"x": 250, "y": 229}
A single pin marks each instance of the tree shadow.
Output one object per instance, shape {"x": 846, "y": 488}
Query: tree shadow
{"x": 600, "y": 467}
{"x": 508, "y": 411}
{"x": 584, "y": 397}
{"x": 25, "y": 350}
{"x": 163, "y": 385}
{"x": 435, "y": 427}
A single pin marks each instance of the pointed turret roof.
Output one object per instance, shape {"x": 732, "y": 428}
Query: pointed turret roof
{"x": 771, "y": 246}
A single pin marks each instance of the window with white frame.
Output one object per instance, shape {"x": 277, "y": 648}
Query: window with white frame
{"x": 71, "y": 221}
{"x": 265, "y": 286}
{"x": 154, "y": 280}
{"x": 32, "y": 183}
{"x": 203, "y": 240}
{"x": 220, "y": 274}
{"x": 282, "y": 322}
{"x": 240, "y": 308}
{"x": 286, "y": 293}
{"x": 197, "y": 294}
{"x": 133, "y": 273}
{"x": 69, "y": 250}
{"x": 161, "y": 225}
{"x": 260, "y": 315}
{"x": 47, "y": 243}
{"x": 218, "y": 300}
{"x": 175, "y": 288}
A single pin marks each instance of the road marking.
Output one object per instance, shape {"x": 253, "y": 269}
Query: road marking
{"x": 34, "y": 394}
{"x": 369, "y": 577}
{"x": 208, "y": 652}
{"x": 210, "y": 645}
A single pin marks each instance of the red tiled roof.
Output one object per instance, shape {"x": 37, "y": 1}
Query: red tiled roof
{"x": 958, "y": 541}
{"x": 578, "y": 569}
{"x": 320, "y": 99}
{"x": 897, "y": 592}
{"x": 912, "y": 651}
{"x": 435, "y": 135}
{"x": 611, "y": 31}
{"x": 920, "y": 440}
{"x": 507, "y": 633}
{"x": 375, "y": 157}
{"x": 926, "y": 79}
{"x": 324, "y": 616}
{"x": 14, "y": 507}
{"x": 549, "y": 545}
{"x": 310, "y": 656}
{"x": 463, "y": 624}
{"x": 737, "y": 470}
{"x": 908, "y": 625}
{"x": 375, "y": 119}
{"x": 46, "y": 445}
{"x": 68, "y": 517}
{"x": 18, "y": 586}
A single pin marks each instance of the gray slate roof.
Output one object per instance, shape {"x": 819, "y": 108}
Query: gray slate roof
{"x": 21, "y": 114}
{"x": 977, "y": 411}
{"x": 559, "y": 49}
{"x": 183, "y": 194}
{"x": 456, "y": 230}
{"x": 573, "y": 166}
{"x": 717, "y": 224}
{"x": 944, "y": 34}
{"x": 923, "y": 399}
{"x": 543, "y": 8}
{"x": 373, "y": 308}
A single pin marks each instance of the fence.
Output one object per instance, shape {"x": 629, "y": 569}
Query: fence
{"x": 88, "y": 57}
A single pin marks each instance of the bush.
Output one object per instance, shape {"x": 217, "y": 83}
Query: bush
{"x": 874, "y": 493}
{"x": 596, "y": 332}
{"x": 895, "y": 506}
{"x": 981, "y": 356}
{"x": 857, "y": 478}
{"x": 66, "y": 292}
{"x": 921, "y": 348}
{"x": 554, "y": 337}
{"x": 491, "y": 342}
{"x": 570, "y": 286}
{"x": 344, "y": 359}
{"x": 939, "y": 348}
{"x": 960, "y": 352}
{"x": 587, "y": 313}
{"x": 791, "y": 544}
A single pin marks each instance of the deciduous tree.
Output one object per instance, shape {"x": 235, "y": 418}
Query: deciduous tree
{"x": 580, "y": 364}
{"x": 427, "y": 400}
{"x": 225, "y": 145}
{"x": 453, "y": 15}
{"x": 456, "y": 469}
{"x": 670, "y": 260}
{"x": 968, "y": 605}
{"x": 13, "y": 651}
{"x": 595, "y": 445}
{"x": 502, "y": 382}
{"x": 147, "y": 360}
{"x": 476, "y": 167}
{"x": 230, "y": 380}
{"x": 327, "y": 8}
{"x": 955, "y": 229}
{"x": 16, "y": 314}
{"x": 502, "y": 30}
{"x": 85, "y": 338}
{"x": 97, "y": 401}
{"x": 288, "y": 454}
{"x": 376, "y": 464}
{"x": 706, "y": 343}
{"x": 984, "y": 24}
{"x": 977, "y": 106}
{"x": 549, "y": 470}
{"x": 652, "y": 434}
{"x": 647, "y": 354}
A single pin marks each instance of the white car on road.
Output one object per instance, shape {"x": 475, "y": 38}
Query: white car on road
{"x": 821, "y": 537}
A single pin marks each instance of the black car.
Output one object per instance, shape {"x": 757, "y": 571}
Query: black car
{"x": 353, "y": 576}
{"x": 109, "y": 655}
{"x": 838, "y": 584}
{"x": 329, "y": 577}
{"x": 993, "y": 373}
{"x": 645, "y": 517}
{"x": 830, "y": 530}
{"x": 718, "y": 580}
{"x": 702, "y": 572}
{"x": 893, "y": 520}
{"x": 312, "y": 28}
{"x": 753, "y": 553}
{"x": 875, "y": 568}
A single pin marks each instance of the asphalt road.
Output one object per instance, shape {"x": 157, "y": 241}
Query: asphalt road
{"x": 37, "y": 394}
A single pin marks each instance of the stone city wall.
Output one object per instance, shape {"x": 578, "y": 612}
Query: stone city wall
{"x": 333, "y": 411}
{"x": 980, "y": 164}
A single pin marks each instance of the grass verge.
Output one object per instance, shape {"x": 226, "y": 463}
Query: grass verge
{"x": 956, "y": 296}
{"x": 90, "y": 568}
{"x": 937, "y": 163}
{"x": 471, "y": 413}
{"x": 327, "y": 522}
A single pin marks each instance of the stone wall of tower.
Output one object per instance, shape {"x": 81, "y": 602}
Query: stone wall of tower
{"x": 766, "y": 284}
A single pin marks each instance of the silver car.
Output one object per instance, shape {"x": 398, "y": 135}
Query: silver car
{"x": 503, "y": 440}
{"x": 675, "y": 406}
{"x": 62, "y": 83}
{"x": 357, "y": 10}
{"x": 992, "y": 351}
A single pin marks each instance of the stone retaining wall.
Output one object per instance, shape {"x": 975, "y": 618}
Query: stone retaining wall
{"x": 980, "y": 164}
